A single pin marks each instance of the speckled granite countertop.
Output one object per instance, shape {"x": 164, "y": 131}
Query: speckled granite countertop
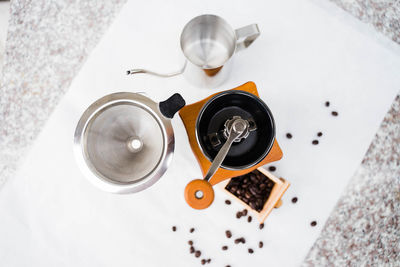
{"x": 49, "y": 41}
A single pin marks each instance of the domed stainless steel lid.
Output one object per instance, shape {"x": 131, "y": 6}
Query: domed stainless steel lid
{"x": 124, "y": 142}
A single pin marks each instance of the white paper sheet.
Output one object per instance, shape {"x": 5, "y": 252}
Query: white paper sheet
{"x": 52, "y": 216}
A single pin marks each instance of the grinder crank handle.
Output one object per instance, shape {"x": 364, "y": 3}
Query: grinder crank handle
{"x": 219, "y": 158}
{"x": 199, "y": 193}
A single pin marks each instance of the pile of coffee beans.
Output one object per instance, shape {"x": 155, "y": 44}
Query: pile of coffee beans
{"x": 253, "y": 189}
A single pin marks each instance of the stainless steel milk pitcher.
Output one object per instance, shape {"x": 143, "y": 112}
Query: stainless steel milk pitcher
{"x": 208, "y": 43}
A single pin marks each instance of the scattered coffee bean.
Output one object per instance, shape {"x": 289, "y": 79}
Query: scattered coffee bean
{"x": 319, "y": 134}
{"x": 174, "y": 228}
{"x": 289, "y": 135}
{"x": 227, "y": 202}
{"x": 313, "y": 223}
{"x": 227, "y": 266}
{"x": 208, "y": 260}
{"x": 261, "y": 226}
{"x": 335, "y": 113}
{"x": 224, "y": 247}
{"x": 249, "y": 219}
{"x": 228, "y": 234}
{"x": 253, "y": 188}
{"x": 239, "y": 214}
{"x": 191, "y": 230}
{"x": 203, "y": 261}
{"x": 272, "y": 168}
{"x": 327, "y": 104}
{"x": 244, "y": 212}
{"x": 251, "y": 250}
{"x": 315, "y": 142}
{"x": 294, "y": 200}
{"x": 197, "y": 254}
{"x": 190, "y": 242}
{"x": 192, "y": 250}
{"x": 240, "y": 240}
{"x": 260, "y": 244}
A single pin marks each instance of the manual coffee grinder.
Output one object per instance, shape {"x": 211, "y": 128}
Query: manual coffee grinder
{"x": 231, "y": 133}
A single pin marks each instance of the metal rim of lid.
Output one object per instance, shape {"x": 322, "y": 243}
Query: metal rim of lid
{"x": 202, "y": 110}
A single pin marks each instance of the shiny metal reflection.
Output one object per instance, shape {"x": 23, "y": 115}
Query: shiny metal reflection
{"x": 123, "y": 143}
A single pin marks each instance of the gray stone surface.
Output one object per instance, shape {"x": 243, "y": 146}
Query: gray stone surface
{"x": 48, "y": 41}
{"x": 384, "y": 15}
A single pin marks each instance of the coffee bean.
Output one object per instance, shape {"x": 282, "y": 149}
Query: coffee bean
{"x": 251, "y": 250}
{"x": 224, "y": 247}
{"x": 238, "y": 214}
{"x": 203, "y": 261}
{"x": 253, "y": 190}
{"x": 244, "y": 212}
{"x": 289, "y": 136}
{"x": 294, "y": 200}
{"x": 313, "y": 223}
{"x": 335, "y": 113}
{"x": 272, "y": 168}
{"x": 227, "y": 266}
{"x": 260, "y": 244}
{"x": 261, "y": 226}
{"x": 259, "y": 203}
{"x": 249, "y": 219}
{"x": 240, "y": 240}
{"x": 253, "y": 178}
{"x": 208, "y": 260}
{"x": 192, "y": 249}
{"x": 228, "y": 234}
{"x": 191, "y": 230}
{"x": 197, "y": 253}
{"x": 315, "y": 142}
{"x": 174, "y": 228}
{"x": 227, "y": 202}
{"x": 327, "y": 104}
{"x": 319, "y": 134}
{"x": 190, "y": 242}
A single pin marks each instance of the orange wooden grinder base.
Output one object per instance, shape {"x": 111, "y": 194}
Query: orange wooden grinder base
{"x": 189, "y": 115}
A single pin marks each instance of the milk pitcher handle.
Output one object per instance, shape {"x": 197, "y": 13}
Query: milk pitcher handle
{"x": 246, "y": 36}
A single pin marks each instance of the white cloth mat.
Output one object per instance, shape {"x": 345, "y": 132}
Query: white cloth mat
{"x": 52, "y": 216}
